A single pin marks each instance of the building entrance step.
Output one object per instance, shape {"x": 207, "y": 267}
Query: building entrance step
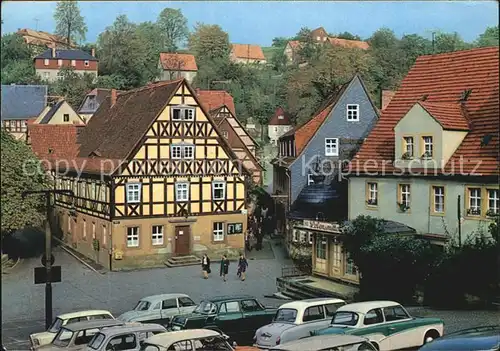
{"x": 180, "y": 261}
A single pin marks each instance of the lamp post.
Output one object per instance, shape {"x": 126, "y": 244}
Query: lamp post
{"x": 48, "y": 248}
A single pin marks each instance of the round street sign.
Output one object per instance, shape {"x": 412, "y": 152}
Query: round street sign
{"x": 44, "y": 260}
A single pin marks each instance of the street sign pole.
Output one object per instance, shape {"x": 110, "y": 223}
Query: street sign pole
{"x": 48, "y": 266}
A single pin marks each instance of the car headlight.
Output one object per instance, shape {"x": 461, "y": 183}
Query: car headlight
{"x": 36, "y": 342}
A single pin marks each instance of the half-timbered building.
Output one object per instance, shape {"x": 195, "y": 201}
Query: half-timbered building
{"x": 153, "y": 178}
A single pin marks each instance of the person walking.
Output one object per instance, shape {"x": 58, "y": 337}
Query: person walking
{"x": 242, "y": 267}
{"x": 224, "y": 267}
{"x": 205, "y": 266}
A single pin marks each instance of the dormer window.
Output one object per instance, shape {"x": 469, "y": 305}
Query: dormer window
{"x": 353, "y": 112}
{"x": 427, "y": 147}
{"x": 408, "y": 147}
{"x": 183, "y": 113}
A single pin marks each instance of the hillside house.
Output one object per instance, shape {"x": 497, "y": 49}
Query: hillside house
{"x": 48, "y": 64}
{"x": 176, "y": 66}
{"x": 246, "y": 54}
{"x": 59, "y": 113}
{"x": 92, "y": 101}
{"x": 433, "y": 156}
{"x": 43, "y": 39}
{"x": 278, "y": 125}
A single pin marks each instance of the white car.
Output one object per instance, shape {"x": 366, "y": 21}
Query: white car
{"x": 125, "y": 337}
{"x": 386, "y": 324}
{"x": 296, "y": 320}
{"x": 187, "y": 340}
{"x": 45, "y": 338}
{"x": 328, "y": 343}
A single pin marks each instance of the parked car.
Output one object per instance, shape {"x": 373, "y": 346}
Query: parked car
{"x": 187, "y": 340}
{"x": 328, "y": 343}
{"x": 236, "y": 316}
{"x": 75, "y": 336}
{"x": 159, "y": 309}
{"x": 129, "y": 337}
{"x": 386, "y": 323}
{"x": 485, "y": 338}
{"x": 296, "y": 320}
{"x": 44, "y": 338}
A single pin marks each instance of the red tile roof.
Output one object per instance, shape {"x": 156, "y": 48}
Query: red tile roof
{"x": 248, "y": 51}
{"x": 306, "y": 132}
{"x": 387, "y": 96}
{"x": 54, "y": 140}
{"x": 181, "y": 62}
{"x": 275, "y": 121}
{"x": 449, "y": 116}
{"x": 213, "y": 99}
{"x": 349, "y": 43}
{"x": 444, "y": 78}
{"x": 295, "y": 44}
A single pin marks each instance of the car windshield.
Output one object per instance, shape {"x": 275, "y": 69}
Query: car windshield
{"x": 97, "y": 341}
{"x": 56, "y": 325}
{"x": 142, "y": 306}
{"x": 345, "y": 318}
{"x": 286, "y": 315}
{"x": 205, "y": 307}
{"x": 63, "y": 338}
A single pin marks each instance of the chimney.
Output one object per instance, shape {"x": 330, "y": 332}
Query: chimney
{"x": 93, "y": 52}
{"x": 53, "y": 51}
{"x": 113, "y": 97}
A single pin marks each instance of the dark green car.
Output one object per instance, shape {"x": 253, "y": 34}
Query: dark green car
{"x": 236, "y": 316}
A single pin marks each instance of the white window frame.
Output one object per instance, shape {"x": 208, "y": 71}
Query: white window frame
{"x": 218, "y": 185}
{"x": 310, "y": 238}
{"x": 176, "y": 152}
{"x": 352, "y": 112}
{"x": 185, "y": 149}
{"x": 46, "y": 75}
{"x": 373, "y": 192}
{"x": 295, "y": 235}
{"x": 133, "y": 193}
{"x": 438, "y": 195}
{"x": 281, "y": 117}
{"x": 309, "y": 179}
{"x": 186, "y": 113}
{"x": 405, "y": 194}
{"x": 475, "y": 200}
{"x": 46, "y": 62}
{"x": 86, "y": 63}
{"x": 157, "y": 235}
{"x": 73, "y": 63}
{"x": 133, "y": 236}
{"x": 218, "y": 231}
{"x": 59, "y": 62}
{"x": 104, "y": 235}
{"x": 409, "y": 141}
{"x": 181, "y": 188}
{"x": 428, "y": 145}
{"x": 495, "y": 199}
{"x": 331, "y": 150}
{"x": 93, "y": 231}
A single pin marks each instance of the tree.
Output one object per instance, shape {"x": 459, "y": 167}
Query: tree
{"x": 173, "y": 26}
{"x": 280, "y": 42}
{"x": 490, "y": 37}
{"x": 448, "y": 42}
{"x": 279, "y": 61}
{"x": 209, "y": 42}
{"x": 150, "y": 35}
{"x": 389, "y": 67}
{"x": 413, "y": 46}
{"x": 13, "y": 49}
{"x": 347, "y": 36}
{"x": 72, "y": 86}
{"x": 20, "y": 72}
{"x": 69, "y": 22}
{"x": 121, "y": 53}
{"x": 21, "y": 171}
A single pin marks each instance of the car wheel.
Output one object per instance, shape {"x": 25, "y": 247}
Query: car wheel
{"x": 430, "y": 336}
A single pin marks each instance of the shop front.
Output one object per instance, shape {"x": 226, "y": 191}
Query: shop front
{"x": 328, "y": 257}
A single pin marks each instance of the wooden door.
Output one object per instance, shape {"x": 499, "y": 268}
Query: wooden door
{"x": 182, "y": 238}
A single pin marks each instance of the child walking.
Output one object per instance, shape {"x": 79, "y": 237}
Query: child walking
{"x": 224, "y": 267}
{"x": 242, "y": 267}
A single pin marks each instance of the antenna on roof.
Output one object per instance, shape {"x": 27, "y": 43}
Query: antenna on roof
{"x": 465, "y": 95}
{"x": 36, "y": 23}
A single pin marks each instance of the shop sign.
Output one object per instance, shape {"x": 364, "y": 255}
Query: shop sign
{"x": 323, "y": 226}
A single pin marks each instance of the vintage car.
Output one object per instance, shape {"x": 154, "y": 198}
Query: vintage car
{"x": 386, "y": 323}
{"x": 159, "y": 309}
{"x": 44, "y": 338}
{"x": 485, "y": 338}
{"x": 76, "y": 336}
{"x": 296, "y": 320}
{"x": 187, "y": 340}
{"x": 328, "y": 343}
{"x": 236, "y": 316}
{"x": 129, "y": 337}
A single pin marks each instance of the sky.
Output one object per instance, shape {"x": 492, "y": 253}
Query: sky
{"x": 258, "y": 22}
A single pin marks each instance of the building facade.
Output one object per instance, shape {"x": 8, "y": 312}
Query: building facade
{"x": 48, "y": 64}
{"x": 21, "y": 105}
{"x": 278, "y": 125}
{"x": 432, "y": 161}
{"x": 59, "y": 113}
{"x": 176, "y": 66}
{"x": 164, "y": 184}
{"x": 247, "y": 54}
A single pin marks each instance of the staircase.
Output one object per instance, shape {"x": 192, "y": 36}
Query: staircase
{"x": 181, "y": 261}
{"x": 6, "y": 263}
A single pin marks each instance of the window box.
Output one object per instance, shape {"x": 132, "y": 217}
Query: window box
{"x": 474, "y": 211}
{"x": 406, "y": 156}
{"x": 403, "y": 207}
{"x": 426, "y": 155}
{"x": 372, "y": 202}
{"x": 491, "y": 213}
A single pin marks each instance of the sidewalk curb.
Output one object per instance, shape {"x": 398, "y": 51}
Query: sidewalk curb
{"x": 65, "y": 248}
